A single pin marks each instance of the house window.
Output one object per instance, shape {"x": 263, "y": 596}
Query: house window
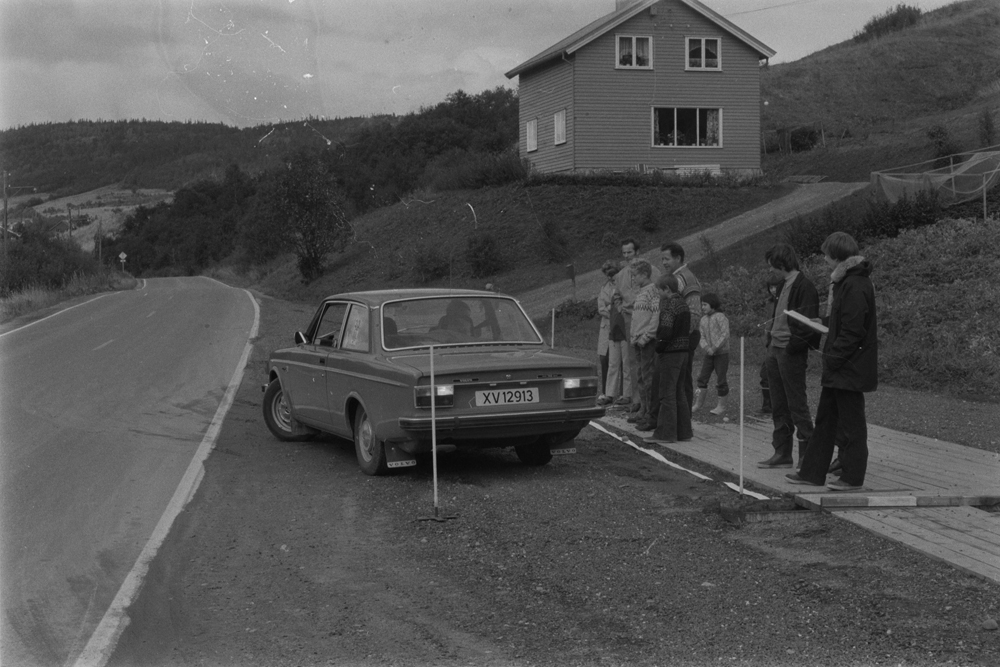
{"x": 703, "y": 53}
{"x": 532, "y": 134}
{"x": 559, "y": 122}
{"x": 679, "y": 126}
{"x": 634, "y": 52}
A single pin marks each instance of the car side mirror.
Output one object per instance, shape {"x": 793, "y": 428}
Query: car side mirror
{"x": 300, "y": 338}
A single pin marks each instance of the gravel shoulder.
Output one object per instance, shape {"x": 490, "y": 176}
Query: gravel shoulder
{"x": 288, "y": 555}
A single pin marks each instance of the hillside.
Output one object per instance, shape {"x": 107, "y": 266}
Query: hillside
{"x": 60, "y": 159}
{"x": 873, "y": 103}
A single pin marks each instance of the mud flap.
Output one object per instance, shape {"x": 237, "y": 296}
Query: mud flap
{"x": 397, "y": 458}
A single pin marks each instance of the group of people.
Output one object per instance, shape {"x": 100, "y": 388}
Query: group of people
{"x": 653, "y": 321}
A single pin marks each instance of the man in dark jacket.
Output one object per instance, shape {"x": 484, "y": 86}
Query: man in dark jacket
{"x": 673, "y": 418}
{"x": 850, "y": 368}
{"x": 788, "y": 343}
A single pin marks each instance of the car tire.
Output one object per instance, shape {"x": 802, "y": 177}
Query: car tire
{"x": 278, "y": 415}
{"x": 369, "y": 449}
{"x": 534, "y": 455}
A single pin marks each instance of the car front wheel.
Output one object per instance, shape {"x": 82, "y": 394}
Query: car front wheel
{"x": 278, "y": 415}
{"x": 369, "y": 449}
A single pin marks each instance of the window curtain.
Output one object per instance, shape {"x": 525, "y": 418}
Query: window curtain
{"x": 625, "y": 51}
{"x": 642, "y": 52}
{"x": 712, "y": 128}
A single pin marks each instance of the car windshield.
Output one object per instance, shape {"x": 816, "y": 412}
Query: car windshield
{"x": 466, "y": 320}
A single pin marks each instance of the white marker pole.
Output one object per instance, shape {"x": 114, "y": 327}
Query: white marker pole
{"x": 434, "y": 459}
{"x": 553, "y": 338}
{"x": 741, "y": 413}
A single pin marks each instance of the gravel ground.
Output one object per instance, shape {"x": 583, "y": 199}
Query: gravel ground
{"x": 288, "y": 555}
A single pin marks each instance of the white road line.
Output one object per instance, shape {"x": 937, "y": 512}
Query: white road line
{"x": 103, "y": 345}
{"x": 98, "y": 650}
{"x": 151, "y": 314}
{"x": 100, "y": 296}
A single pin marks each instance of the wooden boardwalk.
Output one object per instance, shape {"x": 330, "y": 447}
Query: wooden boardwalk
{"x": 919, "y": 491}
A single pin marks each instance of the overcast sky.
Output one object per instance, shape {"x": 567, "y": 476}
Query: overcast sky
{"x": 249, "y": 62}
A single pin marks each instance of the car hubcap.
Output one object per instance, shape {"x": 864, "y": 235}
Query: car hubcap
{"x": 282, "y": 413}
{"x": 366, "y": 440}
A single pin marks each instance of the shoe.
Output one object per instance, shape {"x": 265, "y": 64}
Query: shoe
{"x": 720, "y": 409}
{"x": 623, "y": 400}
{"x": 776, "y": 461}
{"x": 688, "y": 439}
{"x": 657, "y": 441}
{"x": 633, "y": 418}
{"x": 645, "y": 426}
{"x": 794, "y": 478}
{"x": 699, "y": 399}
{"x": 841, "y": 485}
{"x": 635, "y": 407}
{"x": 604, "y": 399}
{"x": 835, "y": 466}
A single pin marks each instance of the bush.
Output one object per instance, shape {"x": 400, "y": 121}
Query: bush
{"x": 38, "y": 260}
{"x": 458, "y": 169}
{"x": 893, "y": 20}
{"x": 649, "y": 220}
{"x": 429, "y": 264}
{"x": 484, "y": 256}
{"x": 555, "y": 245}
{"x": 987, "y": 129}
{"x": 943, "y": 145}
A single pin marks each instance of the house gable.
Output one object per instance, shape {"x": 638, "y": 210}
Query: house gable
{"x": 688, "y": 98}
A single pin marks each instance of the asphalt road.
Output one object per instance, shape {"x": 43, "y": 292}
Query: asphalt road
{"x": 104, "y": 406}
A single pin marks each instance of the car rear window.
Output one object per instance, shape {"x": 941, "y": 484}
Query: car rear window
{"x": 455, "y": 321}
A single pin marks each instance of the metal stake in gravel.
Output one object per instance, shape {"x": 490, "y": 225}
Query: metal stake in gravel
{"x": 434, "y": 458}
{"x": 742, "y": 339}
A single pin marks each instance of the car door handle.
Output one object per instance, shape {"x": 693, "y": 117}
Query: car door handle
{"x": 322, "y": 360}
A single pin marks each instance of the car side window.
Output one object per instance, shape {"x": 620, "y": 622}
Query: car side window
{"x": 330, "y": 325}
{"x": 356, "y": 331}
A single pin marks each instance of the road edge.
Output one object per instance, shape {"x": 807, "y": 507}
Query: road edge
{"x": 102, "y": 642}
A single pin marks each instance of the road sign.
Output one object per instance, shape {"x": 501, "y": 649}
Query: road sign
{"x": 122, "y": 258}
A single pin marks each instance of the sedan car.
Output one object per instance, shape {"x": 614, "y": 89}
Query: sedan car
{"x": 363, "y": 370}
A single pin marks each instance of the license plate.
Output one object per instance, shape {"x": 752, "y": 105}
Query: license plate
{"x": 507, "y": 396}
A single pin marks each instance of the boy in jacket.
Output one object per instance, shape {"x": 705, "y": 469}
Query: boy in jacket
{"x": 850, "y": 368}
{"x": 788, "y": 343}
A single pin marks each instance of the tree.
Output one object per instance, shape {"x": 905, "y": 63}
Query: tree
{"x": 305, "y": 207}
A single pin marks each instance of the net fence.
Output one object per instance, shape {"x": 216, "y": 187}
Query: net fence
{"x": 967, "y": 176}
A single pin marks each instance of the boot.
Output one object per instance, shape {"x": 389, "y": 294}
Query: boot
{"x": 721, "y": 407}
{"x": 699, "y": 398}
{"x": 765, "y": 406}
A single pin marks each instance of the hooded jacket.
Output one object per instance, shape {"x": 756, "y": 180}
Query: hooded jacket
{"x": 850, "y": 355}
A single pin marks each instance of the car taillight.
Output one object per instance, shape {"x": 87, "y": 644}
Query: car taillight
{"x": 579, "y": 387}
{"x": 444, "y": 396}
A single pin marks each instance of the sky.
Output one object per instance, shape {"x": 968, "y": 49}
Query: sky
{"x": 253, "y": 62}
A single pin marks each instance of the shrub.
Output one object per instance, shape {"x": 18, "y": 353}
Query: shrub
{"x": 987, "y": 129}
{"x": 555, "y": 244}
{"x": 649, "y": 220}
{"x": 943, "y": 144}
{"x": 484, "y": 256}
{"x": 458, "y": 169}
{"x": 893, "y": 20}
{"x": 430, "y": 264}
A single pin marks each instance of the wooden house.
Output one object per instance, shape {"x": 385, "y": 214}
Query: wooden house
{"x": 666, "y": 85}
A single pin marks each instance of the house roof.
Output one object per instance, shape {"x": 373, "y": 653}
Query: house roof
{"x": 595, "y": 29}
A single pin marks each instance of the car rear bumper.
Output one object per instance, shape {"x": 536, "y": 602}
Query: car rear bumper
{"x": 498, "y": 425}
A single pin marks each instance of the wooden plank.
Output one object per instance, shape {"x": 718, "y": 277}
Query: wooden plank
{"x": 898, "y": 528}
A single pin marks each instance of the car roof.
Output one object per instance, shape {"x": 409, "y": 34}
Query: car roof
{"x": 378, "y": 297}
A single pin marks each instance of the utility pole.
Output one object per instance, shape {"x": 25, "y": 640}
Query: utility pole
{"x": 5, "y": 217}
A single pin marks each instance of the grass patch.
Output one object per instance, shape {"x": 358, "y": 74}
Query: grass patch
{"x": 33, "y": 299}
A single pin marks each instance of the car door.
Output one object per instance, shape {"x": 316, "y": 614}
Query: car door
{"x": 307, "y": 385}
{"x": 348, "y": 365}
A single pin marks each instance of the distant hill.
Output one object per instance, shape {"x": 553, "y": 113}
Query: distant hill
{"x": 61, "y": 159}
{"x": 872, "y": 103}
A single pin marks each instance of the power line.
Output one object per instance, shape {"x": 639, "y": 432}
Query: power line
{"x": 761, "y": 9}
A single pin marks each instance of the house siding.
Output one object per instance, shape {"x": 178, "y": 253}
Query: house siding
{"x": 541, "y": 93}
{"x": 612, "y": 108}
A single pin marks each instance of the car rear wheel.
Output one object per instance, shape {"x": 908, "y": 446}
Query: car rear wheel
{"x": 369, "y": 449}
{"x": 278, "y": 415}
{"x": 534, "y": 455}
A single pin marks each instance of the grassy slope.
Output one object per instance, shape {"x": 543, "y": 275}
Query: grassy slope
{"x": 592, "y": 221}
{"x": 875, "y": 101}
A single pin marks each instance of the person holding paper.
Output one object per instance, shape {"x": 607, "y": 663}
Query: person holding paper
{"x": 788, "y": 343}
{"x": 850, "y": 368}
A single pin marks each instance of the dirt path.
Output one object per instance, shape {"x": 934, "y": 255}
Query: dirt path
{"x": 805, "y": 199}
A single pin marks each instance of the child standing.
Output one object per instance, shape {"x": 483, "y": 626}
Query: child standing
{"x": 715, "y": 343}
